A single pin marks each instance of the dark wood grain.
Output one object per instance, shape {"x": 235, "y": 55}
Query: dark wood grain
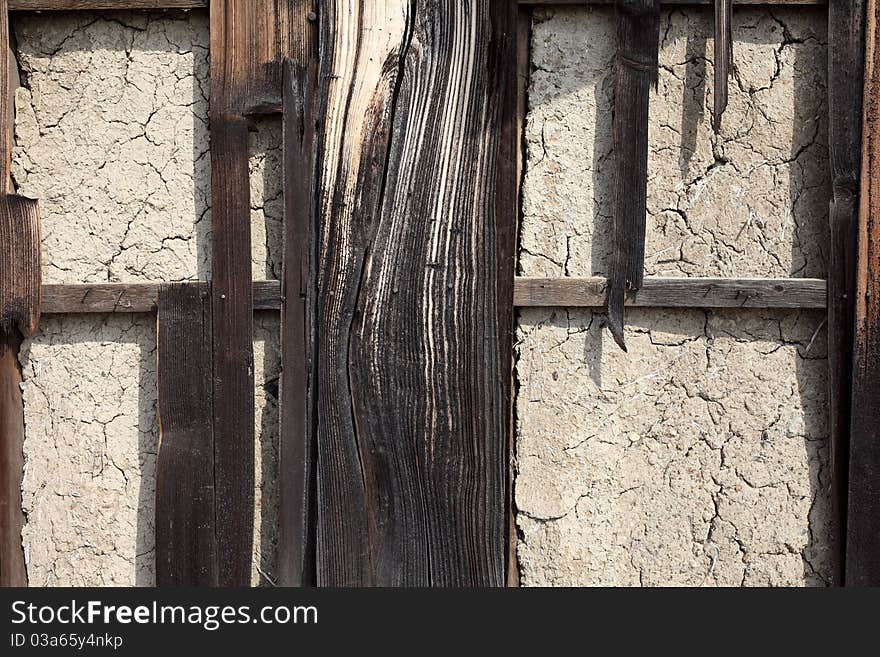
{"x": 233, "y": 359}
{"x": 19, "y": 318}
{"x": 249, "y": 41}
{"x": 297, "y": 508}
{"x": 73, "y": 5}
{"x": 508, "y": 221}
{"x": 107, "y": 5}
{"x": 12, "y": 566}
{"x": 638, "y": 38}
{"x": 723, "y": 55}
{"x": 186, "y": 546}
{"x": 862, "y": 566}
{"x": 846, "y": 56}
{"x": 411, "y": 407}
{"x": 585, "y": 292}
{"x": 676, "y": 293}
{"x": 89, "y": 298}
{"x": 561, "y": 3}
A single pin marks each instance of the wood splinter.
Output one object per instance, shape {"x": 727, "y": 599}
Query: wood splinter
{"x": 638, "y": 36}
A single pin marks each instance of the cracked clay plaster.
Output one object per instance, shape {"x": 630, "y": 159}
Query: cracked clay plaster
{"x": 112, "y": 138}
{"x": 699, "y": 457}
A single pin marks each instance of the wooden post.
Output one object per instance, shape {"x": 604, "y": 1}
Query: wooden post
{"x": 298, "y": 446}
{"x": 862, "y": 566}
{"x": 19, "y": 318}
{"x": 249, "y": 40}
{"x": 846, "y": 56}
{"x": 411, "y": 409}
{"x": 723, "y": 55}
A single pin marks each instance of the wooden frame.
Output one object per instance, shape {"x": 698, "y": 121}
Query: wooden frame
{"x": 525, "y": 292}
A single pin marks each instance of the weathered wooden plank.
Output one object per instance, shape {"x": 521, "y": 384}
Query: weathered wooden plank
{"x": 88, "y": 5}
{"x": 512, "y": 166}
{"x": 573, "y": 292}
{"x": 411, "y": 409}
{"x": 676, "y": 293}
{"x": 846, "y": 56}
{"x": 558, "y": 3}
{"x": 73, "y": 5}
{"x": 249, "y": 39}
{"x": 638, "y": 42}
{"x": 12, "y": 566}
{"x": 862, "y": 566}
{"x": 297, "y": 508}
{"x": 19, "y": 317}
{"x": 232, "y": 321}
{"x": 186, "y": 546}
{"x": 723, "y": 55}
{"x": 89, "y": 298}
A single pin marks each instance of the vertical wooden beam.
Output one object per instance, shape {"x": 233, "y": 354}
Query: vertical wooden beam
{"x": 638, "y": 42}
{"x": 249, "y": 40}
{"x": 298, "y": 446}
{"x": 19, "y": 318}
{"x": 846, "y": 57}
{"x": 863, "y": 518}
{"x": 186, "y": 546}
{"x": 412, "y": 415}
{"x": 511, "y": 168}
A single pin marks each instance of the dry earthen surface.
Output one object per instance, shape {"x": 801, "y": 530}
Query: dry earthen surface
{"x": 112, "y": 138}
{"x": 699, "y": 457}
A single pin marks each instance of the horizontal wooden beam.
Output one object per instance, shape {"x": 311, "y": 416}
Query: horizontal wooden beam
{"x": 528, "y": 292}
{"x": 676, "y": 293}
{"x": 109, "y": 5}
{"x": 131, "y": 297}
{"x": 557, "y": 3}
{"x": 103, "y": 5}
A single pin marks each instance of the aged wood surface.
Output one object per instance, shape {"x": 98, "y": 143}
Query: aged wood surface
{"x": 232, "y": 320}
{"x": 19, "y": 318}
{"x": 86, "y": 298}
{"x": 846, "y": 56}
{"x": 723, "y": 55}
{"x": 249, "y": 40}
{"x": 186, "y": 546}
{"x": 297, "y": 509}
{"x": 72, "y": 5}
{"x": 508, "y": 221}
{"x": 411, "y": 409}
{"x": 638, "y": 42}
{"x": 862, "y": 566}
{"x": 77, "y": 5}
{"x": 676, "y": 293}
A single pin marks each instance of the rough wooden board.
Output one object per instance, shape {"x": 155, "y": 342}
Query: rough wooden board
{"x": 846, "y": 50}
{"x": 584, "y": 292}
{"x": 862, "y": 566}
{"x": 186, "y": 547}
{"x": 298, "y": 446}
{"x": 411, "y": 455}
{"x": 233, "y": 367}
{"x": 251, "y": 39}
{"x": 638, "y": 33}
{"x": 676, "y": 293}
{"x": 12, "y": 566}
{"x": 88, "y": 5}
